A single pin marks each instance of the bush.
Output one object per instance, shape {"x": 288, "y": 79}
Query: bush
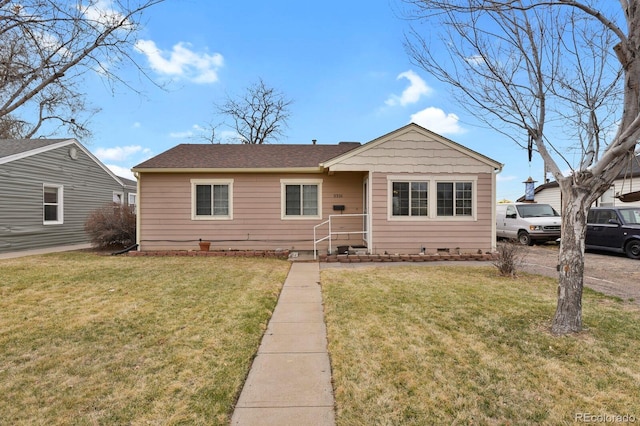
{"x": 112, "y": 226}
{"x": 510, "y": 257}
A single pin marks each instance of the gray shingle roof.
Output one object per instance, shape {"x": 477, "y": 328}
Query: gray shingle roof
{"x": 245, "y": 156}
{"x": 16, "y": 146}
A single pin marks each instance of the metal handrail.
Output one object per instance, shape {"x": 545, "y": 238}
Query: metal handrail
{"x": 329, "y": 236}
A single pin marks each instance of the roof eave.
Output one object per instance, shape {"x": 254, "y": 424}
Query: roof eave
{"x": 228, "y": 170}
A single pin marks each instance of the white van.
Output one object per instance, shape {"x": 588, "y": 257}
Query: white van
{"x": 527, "y": 222}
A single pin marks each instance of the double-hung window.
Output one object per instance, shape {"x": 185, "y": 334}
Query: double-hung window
{"x": 301, "y": 199}
{"x": 455, "y": 199}
{"x": 52, "y": 211}
{"x": 212, "y": 199}
{"x": 410, "y": 199}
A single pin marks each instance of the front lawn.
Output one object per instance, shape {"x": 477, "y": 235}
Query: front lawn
{"x": 451, "y": 345}
{"x": 88, "y": 339}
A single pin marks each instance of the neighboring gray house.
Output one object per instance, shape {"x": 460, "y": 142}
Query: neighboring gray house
{"x": 48, "y": 188}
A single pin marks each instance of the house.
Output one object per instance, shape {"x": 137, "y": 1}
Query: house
{"x": 48, "y": 188}
{"x": 129, "y": 194}
{"x": 628, "y": 181}
{"x": 408, "y": 191}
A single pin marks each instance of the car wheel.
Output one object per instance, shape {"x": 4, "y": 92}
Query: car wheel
{"x": 524, "y": 238}
{"x": 632, "y": 249}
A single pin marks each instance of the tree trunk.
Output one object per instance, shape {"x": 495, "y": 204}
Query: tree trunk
{"x": 575, "y": 207}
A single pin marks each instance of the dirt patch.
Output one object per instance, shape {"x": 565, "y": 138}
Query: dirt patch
{"x": 608, "y": 273}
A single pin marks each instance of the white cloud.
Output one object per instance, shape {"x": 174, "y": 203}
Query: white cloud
{"x": 119, "y": 153}
{"x": 475, "y": 60}
{"x": 182, "y": 62}
{"x": 437, "y": 121}
{"x": 412, "y": 94}
{"x": 121, "y": 171}
{"x": 196, "y": 128}
{"x": 103, "y": 13}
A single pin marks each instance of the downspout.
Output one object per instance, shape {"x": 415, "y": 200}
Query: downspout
{"x": 370, "y": 213}
{"x": 139, "y": 199}
{"x": 494, "y": 246}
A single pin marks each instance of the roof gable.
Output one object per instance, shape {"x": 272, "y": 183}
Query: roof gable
{"x": 244, "y": 157}
{"x": 16, "y": 149}
{"x": 420, "y": 147}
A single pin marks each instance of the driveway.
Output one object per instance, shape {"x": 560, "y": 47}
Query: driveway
{"x": 608, "y": 273}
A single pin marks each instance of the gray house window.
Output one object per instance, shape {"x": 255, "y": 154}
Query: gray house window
{"x": 52, "y": 203}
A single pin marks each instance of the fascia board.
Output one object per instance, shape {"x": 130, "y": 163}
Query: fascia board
{"x": 230, "y": 170}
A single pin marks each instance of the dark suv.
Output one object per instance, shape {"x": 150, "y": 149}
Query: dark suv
{"x": 614, "y": 229}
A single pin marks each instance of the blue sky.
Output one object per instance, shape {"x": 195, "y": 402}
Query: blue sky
{"x": 342, "y": 63}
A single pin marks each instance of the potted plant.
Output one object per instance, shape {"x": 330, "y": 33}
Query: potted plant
{"x": 204, "y": 245}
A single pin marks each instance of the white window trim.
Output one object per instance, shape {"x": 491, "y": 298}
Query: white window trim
{"x": 432, "y": 194}
{"x": 474, "y": 197}
{"x": 283, "y": 198}
{"x": 60, "y": 189}
{"x": 194, "y": 182}
{"x": 390, "y": 181}
{"x": 134, "y": 197}
{"x": 116, "y": 198}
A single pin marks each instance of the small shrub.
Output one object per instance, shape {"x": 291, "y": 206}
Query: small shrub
{"x": 510, "y": 258}
{"x": 112, "y": 226}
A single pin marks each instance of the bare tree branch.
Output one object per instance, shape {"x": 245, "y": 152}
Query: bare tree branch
{"x": 560, "y": 74}
{"x": 260, "y": 115}
{"x": 47, "y": 48}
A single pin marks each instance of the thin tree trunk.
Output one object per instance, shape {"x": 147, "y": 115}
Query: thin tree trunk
{"x": 568, "y": 316}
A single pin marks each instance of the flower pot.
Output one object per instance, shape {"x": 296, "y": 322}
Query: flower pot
{"x": 205, "y": 245}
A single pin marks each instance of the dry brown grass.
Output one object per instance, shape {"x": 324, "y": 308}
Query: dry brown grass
{"x": 90, "y": 339}
{"x": 445, "y": 345}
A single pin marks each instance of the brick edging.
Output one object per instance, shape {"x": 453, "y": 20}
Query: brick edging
{"x": 277, "y": 254}
{"x": 356, "y": 258}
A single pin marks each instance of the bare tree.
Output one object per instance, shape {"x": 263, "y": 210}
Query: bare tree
{"x": 48, "y": 46}
{"x": 207, "y": 133}
{"x": 556, "y": 76}
{"x": 259, "y": 115}
{"x": 11, "y": 128}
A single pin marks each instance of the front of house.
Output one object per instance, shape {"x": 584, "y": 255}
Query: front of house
{"x": 405, "y": 192}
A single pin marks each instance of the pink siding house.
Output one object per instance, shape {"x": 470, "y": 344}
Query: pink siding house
{"x": 408, "y": 191}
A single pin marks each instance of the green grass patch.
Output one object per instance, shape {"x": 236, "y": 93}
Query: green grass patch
{"x": 451, "y": 345}
{"x": 90, "y": 339}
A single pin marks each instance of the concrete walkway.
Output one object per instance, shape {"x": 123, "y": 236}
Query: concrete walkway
{"x": 290, "y": 380}
{"x": 23, "y": 253}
